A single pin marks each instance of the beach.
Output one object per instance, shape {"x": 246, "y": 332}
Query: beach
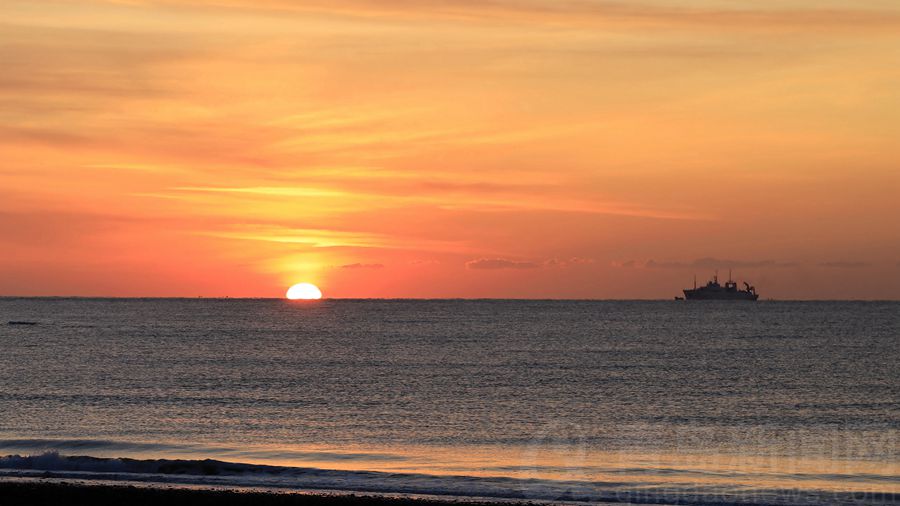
{"x": 40, "y": 492}
{"x": 37, "y": 492}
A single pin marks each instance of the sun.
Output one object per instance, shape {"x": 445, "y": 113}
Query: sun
{"x": 304, "y": 291}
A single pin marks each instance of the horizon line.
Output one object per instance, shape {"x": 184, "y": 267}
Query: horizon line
{"x": 350, "y": 299}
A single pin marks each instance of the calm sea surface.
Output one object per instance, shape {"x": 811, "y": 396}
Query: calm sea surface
{"x": 707, "y": 402}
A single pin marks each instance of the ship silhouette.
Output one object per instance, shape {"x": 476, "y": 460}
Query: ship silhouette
{"x": 714, "y": 291}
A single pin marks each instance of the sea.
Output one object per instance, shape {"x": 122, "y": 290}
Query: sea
{"x": 641, "y": 402}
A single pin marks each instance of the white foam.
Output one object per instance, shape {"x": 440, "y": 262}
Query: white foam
{"x": 219, "y": 473}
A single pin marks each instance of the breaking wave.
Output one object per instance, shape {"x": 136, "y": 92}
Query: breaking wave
{"x": 216, "y": 473}
{"x": 105, "y": 448}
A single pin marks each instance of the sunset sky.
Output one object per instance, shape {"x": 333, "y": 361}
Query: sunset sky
{"x": 449, "y": 148}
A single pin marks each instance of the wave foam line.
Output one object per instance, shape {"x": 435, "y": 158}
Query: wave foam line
{"x": 219, "y": 473}
{"x": 102, "y": 446}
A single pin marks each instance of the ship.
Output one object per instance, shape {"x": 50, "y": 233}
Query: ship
{"x": 714, "y": 291}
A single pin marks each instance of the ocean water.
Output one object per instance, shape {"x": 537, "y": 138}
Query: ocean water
{"x": 644, "y": 402}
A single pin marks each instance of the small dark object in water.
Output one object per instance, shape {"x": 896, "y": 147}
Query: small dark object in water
{"x": 22, "y": 323}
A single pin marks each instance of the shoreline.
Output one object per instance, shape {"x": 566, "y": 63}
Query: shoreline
{"x": 49, "y": 491}
{"x": 23, "y": 476}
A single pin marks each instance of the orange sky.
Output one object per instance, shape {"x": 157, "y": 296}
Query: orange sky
{"x": 428, "y": 148}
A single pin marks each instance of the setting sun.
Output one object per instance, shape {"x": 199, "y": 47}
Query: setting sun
{"x": 304, "y": 291}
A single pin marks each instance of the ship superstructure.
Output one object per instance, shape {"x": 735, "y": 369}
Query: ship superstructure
{"x": 714, "y": 291}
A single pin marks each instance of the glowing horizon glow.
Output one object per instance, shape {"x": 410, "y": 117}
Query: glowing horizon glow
{"x": 304, "y": 291}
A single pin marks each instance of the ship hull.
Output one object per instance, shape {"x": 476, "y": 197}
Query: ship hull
{"x": 719, "y": 295}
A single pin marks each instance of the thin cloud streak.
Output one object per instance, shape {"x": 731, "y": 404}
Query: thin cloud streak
{"x": 845, "y": 264}
{"x": 463, "y": 201}
{"x": 494, "y": 264}
{"x": 323, "y": 238}
{"x": 505, "y": 263}
{"x": 570, "y": 12}
{"x": 269, "y": 191}
{"x": 704, "y": 263}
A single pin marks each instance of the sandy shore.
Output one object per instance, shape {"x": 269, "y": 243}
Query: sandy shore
{"x": 56, "y": 493}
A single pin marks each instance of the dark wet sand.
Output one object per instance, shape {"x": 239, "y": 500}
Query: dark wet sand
{"x": 56, "y": 494}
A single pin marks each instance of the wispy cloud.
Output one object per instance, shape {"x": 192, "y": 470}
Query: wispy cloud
{"x": 500, "y": 264}
{"x": 268, "y": 191}
{"x": 703, "y": 263}
{"x": 316, "y": 238}
{"x": 515, "y": 199}
{"x": 424, "y": 262}
{"x": 567, "y": 262}
{"x": 759, "y": 15}
{"x": 504, "y": 263}
{"x": 45, "y": 136}
{"x": 362, "y": 266}
{"x": 844, "y": 264}
{"x": 327, "y": 238}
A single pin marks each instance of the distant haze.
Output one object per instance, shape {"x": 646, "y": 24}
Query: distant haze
{"x": 539, "y": 149}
